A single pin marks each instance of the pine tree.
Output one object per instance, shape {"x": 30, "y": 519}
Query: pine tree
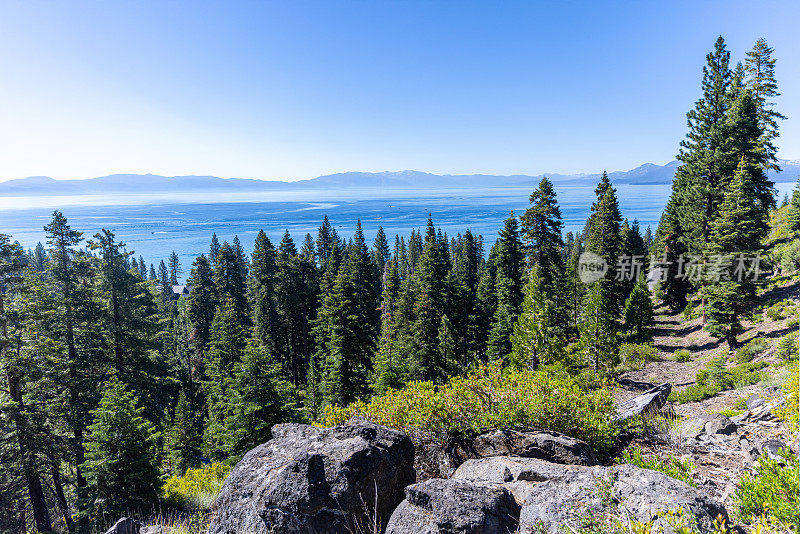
{"x": 74, "y": 304}
{"x": 185, "y": 439}
{"x": 760, "y": 79}
{"x": 638, "y": 314}
{"x": 231, "y": 284}
{"x": 598, "y": 342}
{"x": 202, "y": 302}
{"x": 213, "y": 250}
{"x": 706, "y": 167}
{"x": 19, "y": 415}
{"x": 226, "y": 350}
{"x": 164, "y": 282}
{"x": 349, "y": 347}
{"x": 39, "y": 258}
{"x": 604, "y": 228}
{"x": 794, "y": 210}
{"x": 508, "y": 285}
{"x": 380, "y": 249}
{"x": 736, "y": 233}
{"x": 151, "y": 274}
{"x": 542, "y": 227}
{"x": 428, "y": 289}
{"x": 120, "y": 462}
{"x": 533, "y": 342}
{"x": 263, "y": 274}
{"x": 131, "y": 318}
{"x": 260, "y": 398}
{"x": 142, "y": 268}
{"x": 175, "y": 269}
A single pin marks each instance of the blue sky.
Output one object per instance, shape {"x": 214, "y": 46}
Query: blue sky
{"x": 296, "y": 89}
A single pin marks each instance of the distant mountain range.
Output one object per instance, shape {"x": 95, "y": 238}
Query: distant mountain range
{"x": 648, "y": 173}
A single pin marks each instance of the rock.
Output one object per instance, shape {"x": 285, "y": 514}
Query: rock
{"x": 700, "y": 427}
{"x": 125, "y": 525}
{"x": 440, "y": 506}
{"x": 550, "y": 446}
{"x": 508, "y": 469}
{"x": 157, "y": 529}
{"x": 719, "y": 424}
{"x": 553, "y": 495}
{"x": 754, "y": 401}
{"x": 771, "y": 449}
{"x": 691, "y": 428}
{"x": 649, "y": 401}
{"x": 321, "y": 480}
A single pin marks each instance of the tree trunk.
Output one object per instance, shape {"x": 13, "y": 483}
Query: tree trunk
{"x": 60, "y": 497}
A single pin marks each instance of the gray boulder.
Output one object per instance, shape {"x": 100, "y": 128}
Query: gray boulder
{"x": 440, "y": 506}
{"x": 314, "y": 480}
{"x": 719, "y": 424}
{"x": 545, "y": 445}
{"x": 649, "y": 401}
{"x": 553, "y": 495}
{"x": 706, "y": 424}
{"x": 772, "y": 448}
{"x": 754, "y": 401}
{"x": 125, "y": 525}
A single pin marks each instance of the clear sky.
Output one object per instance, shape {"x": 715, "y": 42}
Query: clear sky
{"x": 296, "y": 89}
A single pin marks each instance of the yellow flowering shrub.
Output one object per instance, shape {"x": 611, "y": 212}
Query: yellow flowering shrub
{"x": 196, "y": 489}
{"x": 789, "y": 411}
{"x": 490, "y": 397}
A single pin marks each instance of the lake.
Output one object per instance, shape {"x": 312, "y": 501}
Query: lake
{"x": 153, "y": 225}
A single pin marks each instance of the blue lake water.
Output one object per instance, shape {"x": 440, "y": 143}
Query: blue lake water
{"x": 153, "y": 226}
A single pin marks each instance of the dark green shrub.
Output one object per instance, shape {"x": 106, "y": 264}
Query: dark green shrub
{"x": 682, "y": 355}
{"x": 751, "y": 350}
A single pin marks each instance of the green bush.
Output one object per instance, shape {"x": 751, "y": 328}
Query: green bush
{"x": 487, "y": 398}
{"x": 771, "y": 491}
{"x": 701, "y": 377}
{"x": 682, "y": 355}
{"x": 777, "y": 311}
{"x": 673, "y": 467}
{"x": 751, "y": 349}
{"x": 196, "y": 489}
{"x": 716, "y": 377}
{"x": 635, "y": 355}
{"x": 690, "y": 312}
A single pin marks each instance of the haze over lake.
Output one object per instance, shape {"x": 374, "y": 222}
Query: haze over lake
{"x": 155, "y": 225}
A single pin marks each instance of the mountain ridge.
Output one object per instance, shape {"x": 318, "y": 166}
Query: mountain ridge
{"x": 645, "y": 174}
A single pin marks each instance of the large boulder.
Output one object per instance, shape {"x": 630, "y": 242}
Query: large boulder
{"x": 552, "y": 495}
{"x": 316, "y": 480}
{"x": 545, "y": 445}
{"x": 125, "y": 525}
{"x": 649, "y": 401}
{"x": 440, "y": 506}
{"x": 695, "y": 427}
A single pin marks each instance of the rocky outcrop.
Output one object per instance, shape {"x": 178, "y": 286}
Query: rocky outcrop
{"x": 314, "y": 480}
{"x": 125, "y": 525}
{"x": 649, "y": 401}
{"x": 551, "y": 446}
{"x": 708, "y": 424}
{"x": 552, "y": 495}
{"x": 441, "y": 506}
